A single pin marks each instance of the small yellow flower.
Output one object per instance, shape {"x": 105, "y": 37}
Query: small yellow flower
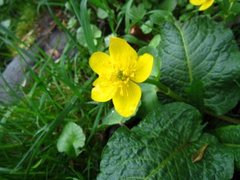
{"x": 119, "y": 72}
{"x": 204, "y": 4}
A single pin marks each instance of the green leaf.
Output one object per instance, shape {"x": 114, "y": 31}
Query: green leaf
{"x": 113, "y": 118}
{"x": 168, "y": 5}
{"x": 234, "y": 150}
{"x": 167, "y": 144}
{"x": 146, "y": 27}
{"x": 206, "y": 51}
{"x": 195, "y": 93}
{"x": 71, "y": 23}
{"x": 235, "y": 9}
{"x": 71, "y": 139}
{"x": 137, "y": 13}
{"x": 6, "y": 23}
{"x": 149, "y": 97}
{"x": 155, "y": 41}
{"x": 158, "y": 16}
{"x": 228, "y": 134}
{"x": 230, "y": 137}
{"x": 102, "y": 14}
{"x": 81, "y": 37}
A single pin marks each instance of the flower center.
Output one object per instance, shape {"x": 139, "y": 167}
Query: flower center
{"x": 122, "y": 76}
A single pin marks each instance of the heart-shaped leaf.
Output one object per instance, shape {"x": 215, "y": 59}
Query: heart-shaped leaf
{"x": 71, "y": 139}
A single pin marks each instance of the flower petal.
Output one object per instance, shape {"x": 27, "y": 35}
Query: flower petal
{"x": 103, "y": 91}
{"x": 197, "y": 2}
{"x": 126, "y": 99}
{"x": 206, "y": 5}
{"x": 99, "y": 62}
{"x": 144, "y": 68}
{"x": 121, "y": 52}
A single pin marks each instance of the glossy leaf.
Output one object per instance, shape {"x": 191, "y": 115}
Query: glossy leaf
{"x": 202, "y": 50}
{"x": 167, "y": 144}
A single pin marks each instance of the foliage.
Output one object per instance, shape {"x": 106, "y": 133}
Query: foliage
{"x": 56, "y": 131}
{"x": 165, "y": 145}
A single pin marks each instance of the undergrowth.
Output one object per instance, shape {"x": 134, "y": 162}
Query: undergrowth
{"x": 58, "y": 90}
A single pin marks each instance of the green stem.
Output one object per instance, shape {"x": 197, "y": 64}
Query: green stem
{"x": 224, "y": 118}
{"x": 167, "y": 91}
{"x": 164, "y": 89}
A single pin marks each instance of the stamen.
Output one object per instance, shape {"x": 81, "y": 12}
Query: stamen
{"x": 121, "y": 76}
{"x": 121, "y": 91}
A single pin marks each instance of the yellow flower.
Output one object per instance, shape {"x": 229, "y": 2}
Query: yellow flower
{"x": 204, "y": 4}
{"x": 119, "y": 72}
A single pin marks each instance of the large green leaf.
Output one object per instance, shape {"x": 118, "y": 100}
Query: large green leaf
{"x": 167, "y": 144}
{"x": 230, "y": 137}
{"x": 201, "y": 50}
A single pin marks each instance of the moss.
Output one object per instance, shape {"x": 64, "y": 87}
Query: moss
{"x": 23, "y": 16}
{"x": 27, "y": 20}
{"x": 25, "y": 26}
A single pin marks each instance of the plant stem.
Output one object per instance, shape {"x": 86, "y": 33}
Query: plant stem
{"x": 224, "y": 118}
{"x": 167, "y": 91}
{"x": 164, "y": 89}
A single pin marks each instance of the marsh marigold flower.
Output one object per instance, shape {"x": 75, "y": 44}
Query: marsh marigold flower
{"x": 204, "y": 4}
{"x": 119, "y": 72}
